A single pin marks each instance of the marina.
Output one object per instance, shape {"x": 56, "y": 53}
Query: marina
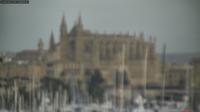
{"x": 99, "y": 56}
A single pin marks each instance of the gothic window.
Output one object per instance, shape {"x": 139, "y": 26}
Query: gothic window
{"x": 71, "y": 53}
{"x": 88, "y": 50}
{"x": 107, "y": 51}
{"x": 137, "y": 50}
{"x": 72, "y": 45}
{"x": 88, "y": 47}
{"x": 151, "y": 51}
{"x": 132, "y": 51}
{"x": 142, "y": 51}
{"x": 117, "y": 48}
{"x": 110, "y": 52}
{"x": 101, "y": 51}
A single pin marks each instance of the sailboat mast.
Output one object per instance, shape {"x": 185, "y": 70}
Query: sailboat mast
{"x": 16, "y": 94}
{"x": 33, "y": 93}
{"x": 163, "y": 73}
{"x": 122, "y": 70}
{"x": 145, "y": 69}
{"x": 115, "y": 91}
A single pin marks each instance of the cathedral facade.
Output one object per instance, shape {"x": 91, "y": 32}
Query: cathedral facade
{"x": 79, "y": 49}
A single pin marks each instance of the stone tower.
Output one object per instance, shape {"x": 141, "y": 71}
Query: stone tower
{"x": 52, "y": 46}
{"x": 63, "y": 40}
{"x": 79, "y": 23}
{"x": 77, "y": 30}
{"x": 41, "y": 50}
{"x": 40, "y": 45}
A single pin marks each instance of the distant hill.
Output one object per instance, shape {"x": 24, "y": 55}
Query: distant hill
{"x": 179, "y": 58}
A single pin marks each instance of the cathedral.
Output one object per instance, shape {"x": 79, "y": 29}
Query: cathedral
{"x": 79, "y": 50}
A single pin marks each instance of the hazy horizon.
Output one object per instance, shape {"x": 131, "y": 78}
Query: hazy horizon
{"x": 176, "y": 23}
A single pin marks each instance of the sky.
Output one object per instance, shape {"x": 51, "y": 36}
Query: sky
{"x": 174, "y": 22}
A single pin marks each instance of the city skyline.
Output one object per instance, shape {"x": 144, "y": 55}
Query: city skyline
{"x": 174, "y": 23}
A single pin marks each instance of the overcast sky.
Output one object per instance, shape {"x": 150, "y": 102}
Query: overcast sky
{"x": 175, "y": 22}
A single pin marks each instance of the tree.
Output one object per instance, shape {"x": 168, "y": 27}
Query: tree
{"x": 96, "y": 85}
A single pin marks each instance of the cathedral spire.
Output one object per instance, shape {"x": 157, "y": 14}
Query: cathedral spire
{"x": 79, "y": 19}
{"x": 79, "y": 22}
{"x": 63, "y": 20}
{"x": 63, "y": 27}
{"x": 63, "y": 39}
{"x": 40, "y": 44}
{"x": 77, "y": 29}
{"x": 52, "y": 45}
